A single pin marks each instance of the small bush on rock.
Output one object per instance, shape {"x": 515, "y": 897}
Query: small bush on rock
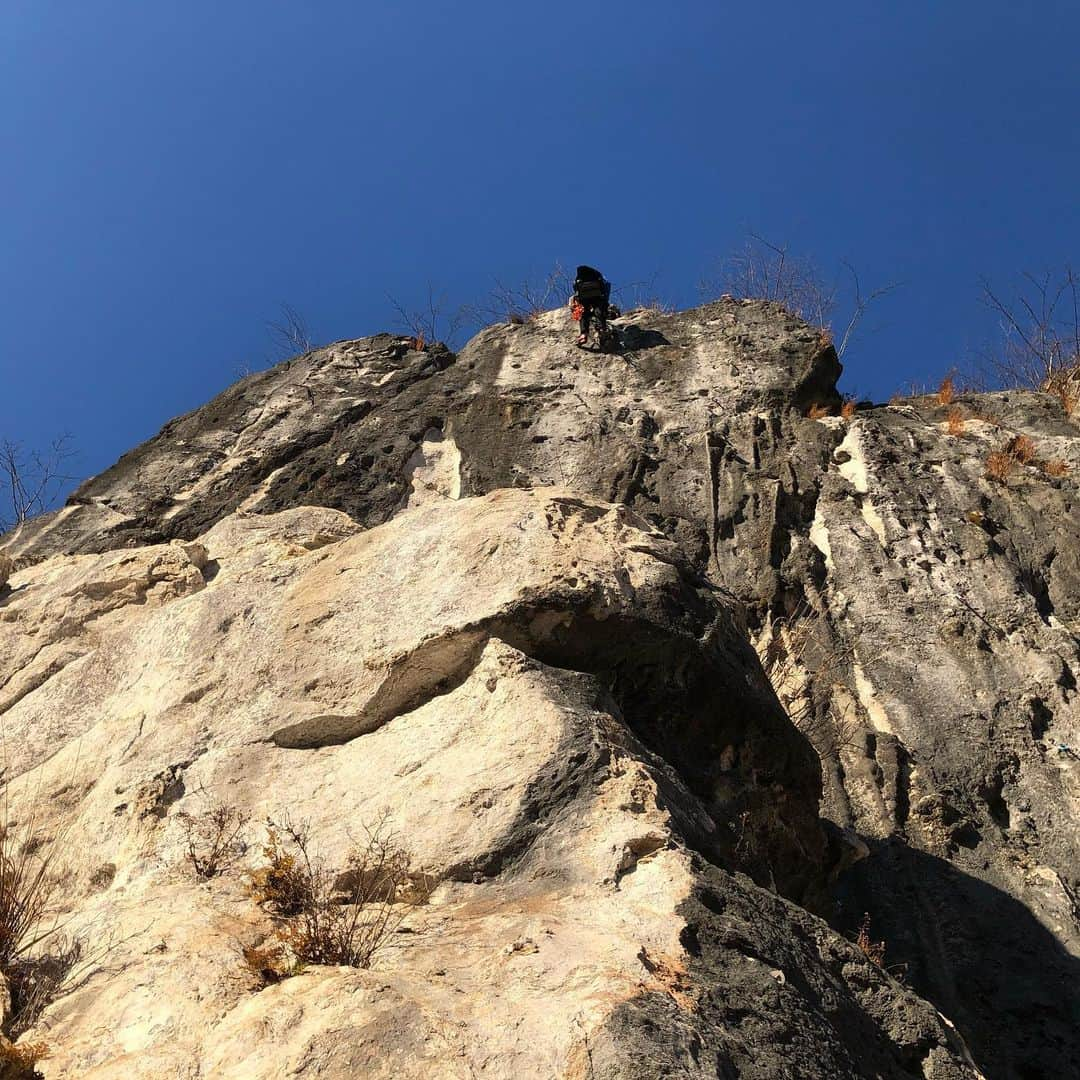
{"x": 874, "y": 951}
{"x": 334, "y": 916}
{"x": 999, "y": 465}
{"x": 20, "y": 1062}
{"x": 214, "y": 839}
{"x": 954, "y": 421}
{"x": 1055, "y": 467}
{"x": 1021, "y": 448}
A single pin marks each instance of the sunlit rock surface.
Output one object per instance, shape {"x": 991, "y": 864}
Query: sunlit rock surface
{"x": 511, "y": 598}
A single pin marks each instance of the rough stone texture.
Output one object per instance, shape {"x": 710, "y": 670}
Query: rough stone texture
{"x": 297, "y": 665}
{"x": 938, "y": 615}
{"x": 959, "y": 598}
{"x": 347, "y": 426}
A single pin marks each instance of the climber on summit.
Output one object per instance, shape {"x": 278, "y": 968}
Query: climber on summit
{"x": 591, "y": 296}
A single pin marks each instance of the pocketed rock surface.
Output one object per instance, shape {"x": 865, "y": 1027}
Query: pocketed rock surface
{"x": 523, "y": 603}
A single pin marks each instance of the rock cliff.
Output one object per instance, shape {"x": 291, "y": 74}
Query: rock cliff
{"x": 666, "y": 676}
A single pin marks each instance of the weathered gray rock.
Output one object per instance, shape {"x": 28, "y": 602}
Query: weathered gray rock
{"x": 348, "y": 425}
{"x": 933, "y": 612}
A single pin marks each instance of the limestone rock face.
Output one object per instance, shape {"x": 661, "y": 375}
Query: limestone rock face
{"x": 369, "y": 426}
{"x": 528, "y": 600}
{"x": 297, "y": 666}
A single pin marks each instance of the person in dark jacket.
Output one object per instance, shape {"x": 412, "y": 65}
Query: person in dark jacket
{"x": 592, "y": 293}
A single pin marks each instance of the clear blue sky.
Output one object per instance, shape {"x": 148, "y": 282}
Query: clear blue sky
{"x": 175, "y": 169}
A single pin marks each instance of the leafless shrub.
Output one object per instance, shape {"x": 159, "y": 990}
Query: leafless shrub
{"x": 36, "y": 981}
{"x": 1040, "y": 329}
{"x": 523, "y": 302}
{"x": 847, "y": 410}
{"x": 1056, "y": 467}
{"x": 32, "y": 478}
{"x": 763, "y": 270}
{"x": 215, "y": 838}
{"x": 816, "y": 412}
{"x": 432, "y": 323}
{"x": 289, "y": 333}
{"x": 946, "y": 391}
{"x": 642, "y": 295}
{"x": 339, "y": 916}
{"x": 37, "y": 958}
{"x": 767, "y": 271}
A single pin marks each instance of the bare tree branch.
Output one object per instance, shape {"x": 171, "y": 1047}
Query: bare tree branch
{"x": 767, "y": 271}
{"x": 1039, "y": 342}
{"x": 861, "y": 304}
{"x": 289, "y": 333}
{"x": 432, "y": 323}
{"x": 32, "y": 478}
{"x": 524, "y": 301}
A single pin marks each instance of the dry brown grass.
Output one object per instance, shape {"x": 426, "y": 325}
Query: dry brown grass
{"x": 999, "y": 465}
{"x": 954, "y": 421}
{"x": 946, "y": 391}
{"x": 1055, "y": 467}
{"x": 1065, "y": 388}
{"x": 19, "y": 1062}
{"x": 1021, "y": 449}
{"x": 333, "y": 916}
{"x": 269, "y": 964}
{"x": 847, "y": 410}
{"x": 281, "y": 883}
{"x": 27, "y": 885}
{"x": 874, "y": 951}
{"x": 816, "y": 412}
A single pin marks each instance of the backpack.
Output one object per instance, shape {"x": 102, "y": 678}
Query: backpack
{"x": 592, "y": 290}
{"x": 590, "y": 284}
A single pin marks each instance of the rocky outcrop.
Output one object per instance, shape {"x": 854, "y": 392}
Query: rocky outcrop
{"x": 569, "y": 817}
{"x": 511, "y": 596}
{"x": 370, "y": 426}
{"x": 955, "y": 598}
